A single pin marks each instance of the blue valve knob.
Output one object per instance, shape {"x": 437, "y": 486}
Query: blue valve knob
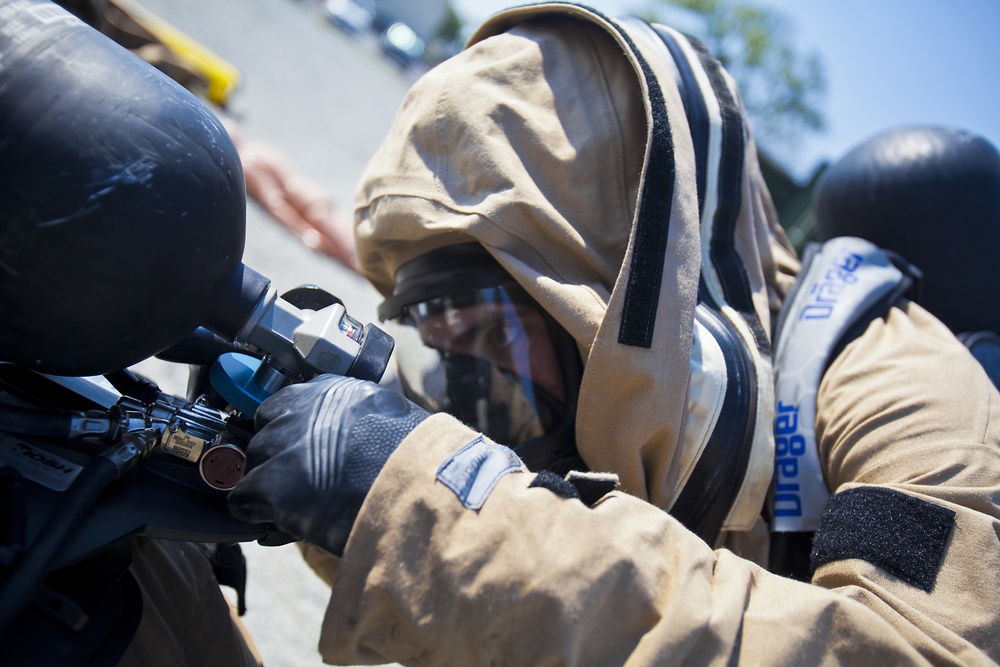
{"x": 232, "y": 375}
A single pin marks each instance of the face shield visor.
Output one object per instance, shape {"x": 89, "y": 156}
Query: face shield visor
{"x": 471, "y": 342}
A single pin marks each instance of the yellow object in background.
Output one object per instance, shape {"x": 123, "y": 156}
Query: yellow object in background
{"x": 220, "y": 77}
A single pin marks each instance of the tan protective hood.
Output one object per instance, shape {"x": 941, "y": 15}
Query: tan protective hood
{"x": 558, "y": 139}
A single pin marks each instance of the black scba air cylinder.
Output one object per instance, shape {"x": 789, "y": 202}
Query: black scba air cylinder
{"x": 122, "y": 204}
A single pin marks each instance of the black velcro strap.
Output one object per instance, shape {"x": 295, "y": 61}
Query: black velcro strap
{"x": 649, "y": 247}
{"x": 592, "y": 486}
{"x": 903, "y": 535}
{"x": 229, "y": 566}
{"x": 554, "y": 483}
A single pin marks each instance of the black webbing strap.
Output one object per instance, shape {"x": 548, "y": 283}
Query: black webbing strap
{"x": 730, "y": 268}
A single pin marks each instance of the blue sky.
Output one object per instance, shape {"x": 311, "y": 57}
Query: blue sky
{"x": 888, "y": 62}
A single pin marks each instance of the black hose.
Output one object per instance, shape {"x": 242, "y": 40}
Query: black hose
{"x": 129, "y": 383}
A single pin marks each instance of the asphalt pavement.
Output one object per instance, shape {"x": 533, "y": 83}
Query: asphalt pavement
{"x": 327, "y": 100}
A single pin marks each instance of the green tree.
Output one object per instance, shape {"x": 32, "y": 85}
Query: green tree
{"x": 447, "y": 40}
{"x": 782, "y": 88}
{"x": 450, "y": 28}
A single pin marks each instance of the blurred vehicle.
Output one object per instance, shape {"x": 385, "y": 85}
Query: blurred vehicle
{"x": 402, "y": 44}
{"x": 352, "y": 16}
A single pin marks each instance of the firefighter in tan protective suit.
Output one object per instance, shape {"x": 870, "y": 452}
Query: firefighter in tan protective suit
{"x": 583, "y": 266}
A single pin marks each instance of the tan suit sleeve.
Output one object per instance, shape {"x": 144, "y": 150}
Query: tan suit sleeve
{"x": 906, "y": 407}
{"x": 532, "y": 578}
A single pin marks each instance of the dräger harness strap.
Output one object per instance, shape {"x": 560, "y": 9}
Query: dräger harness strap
{"x": 845, "y": 282}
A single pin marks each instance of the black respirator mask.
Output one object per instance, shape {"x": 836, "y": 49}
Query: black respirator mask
{"x": 471, "y": 342}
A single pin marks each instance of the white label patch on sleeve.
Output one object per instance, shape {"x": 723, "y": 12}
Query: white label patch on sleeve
{"x": 475, "y": 469}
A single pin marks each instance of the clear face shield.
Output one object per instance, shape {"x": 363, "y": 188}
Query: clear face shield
{"x": 485, "y": 357}
{"x": 491, "y": 357}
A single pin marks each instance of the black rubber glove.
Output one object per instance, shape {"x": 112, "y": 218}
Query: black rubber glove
{"x": 318, "y": 449}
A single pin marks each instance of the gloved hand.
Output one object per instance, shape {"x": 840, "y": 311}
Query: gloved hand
{"x": 318, "y": 449}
